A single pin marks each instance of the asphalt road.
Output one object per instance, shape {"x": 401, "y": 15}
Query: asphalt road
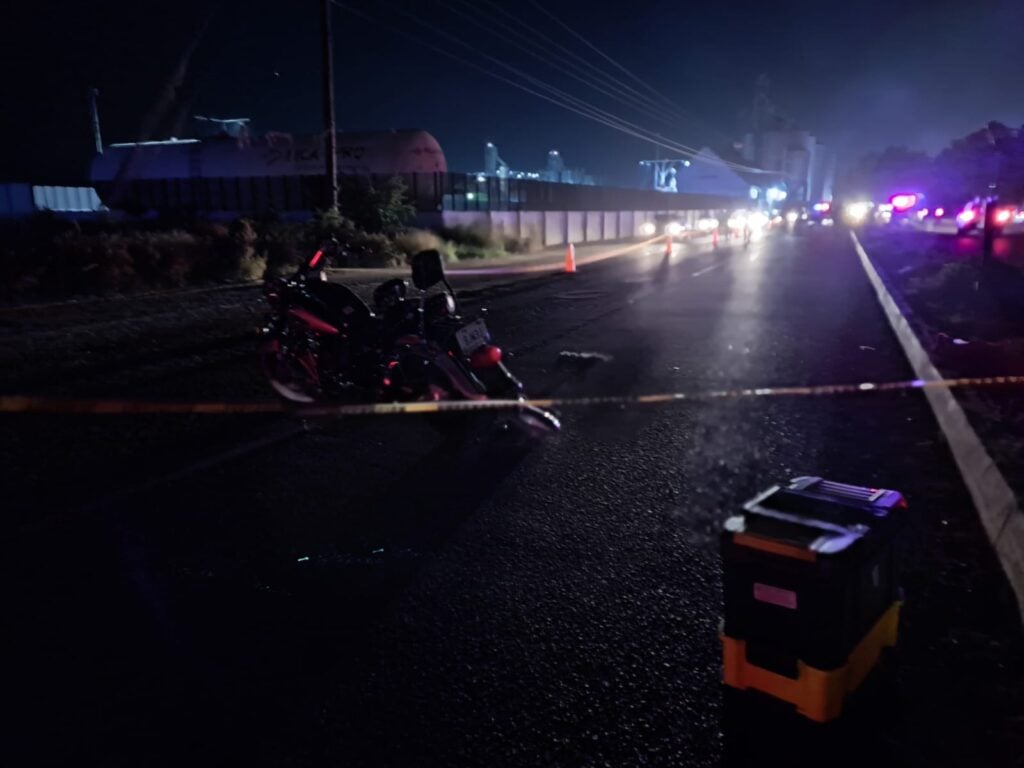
{"x": 256, "y": 591}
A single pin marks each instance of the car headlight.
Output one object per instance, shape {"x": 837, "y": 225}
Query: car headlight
{"x": 647, "y": 229}
{"x": 857, "y": 212}
{"x": 673, "y": 228}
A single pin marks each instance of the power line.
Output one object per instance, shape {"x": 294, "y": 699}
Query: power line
{"x": 535, "y": 82}
{"x": 682, "y": 113}
{"x": 585, "y": 112}
{"x": 618, "y": 90}
{"x": 578, "y": 106}
{"x": 564, "y": 100}
{"x": 597, "y": 50}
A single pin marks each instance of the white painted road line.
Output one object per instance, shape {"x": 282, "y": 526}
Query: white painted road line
{"x": 992, "y": 496}
{"x": 704, "y": 271}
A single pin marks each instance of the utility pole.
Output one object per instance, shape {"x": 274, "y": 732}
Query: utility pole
{"x": 94, "y": 117}
{"x": 988, "y": 234}
{"x": 330, "y": 137}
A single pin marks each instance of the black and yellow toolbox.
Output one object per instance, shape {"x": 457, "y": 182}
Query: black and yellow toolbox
{"x": 811, "y": 591}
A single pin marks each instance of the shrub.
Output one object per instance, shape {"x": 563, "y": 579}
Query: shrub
{"x": 328, "y": 224}
{"x": 114, "y": 268}
{"x": 513, "y": 244}
{"x": 183, "y": 258}
{"x": 282, "y": 246}
{"x": 466, "y": 252}
{"x": 249, "y": 265}
{"x": 469, "y": 236}
{"x": 81, "y": 264}
{"x": 233, "y": 252}
{"x": 393, "y": 206}
{"x": 412, "y": 241}
{"x": 372, "y": 250}
{"x": 252, "y": 267}
{"x": 146, "y": 258}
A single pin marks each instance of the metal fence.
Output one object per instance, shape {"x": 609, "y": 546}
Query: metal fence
{"x": 428, "y": 192}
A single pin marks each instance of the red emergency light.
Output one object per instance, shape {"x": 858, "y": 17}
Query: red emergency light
{"x": 903, "y": 201}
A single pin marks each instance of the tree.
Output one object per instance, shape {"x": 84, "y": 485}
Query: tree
{"x": 896, "y": 169}
{"x": 986, "y": 161}
{"x": 376, "y": 208}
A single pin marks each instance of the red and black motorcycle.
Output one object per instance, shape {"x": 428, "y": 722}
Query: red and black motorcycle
{"x": 322, "y": 343}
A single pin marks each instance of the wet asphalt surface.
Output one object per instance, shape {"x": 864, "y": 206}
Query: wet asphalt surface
{"x": 260, "y": 591}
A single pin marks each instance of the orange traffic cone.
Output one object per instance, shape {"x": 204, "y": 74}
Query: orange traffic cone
{"x": 668, "y": 245}
{"x": 570, "y": 258}
{"x": 714, "y": 237}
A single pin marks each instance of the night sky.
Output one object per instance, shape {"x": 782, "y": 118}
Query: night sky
{"x": 861, "y": 75}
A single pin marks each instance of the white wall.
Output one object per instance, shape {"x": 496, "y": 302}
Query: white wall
{"x": 505, "y": 223}
{"x": 554, "y": 227}
{"x": 555, "y": 223}
{"x": 609, "y": 225}
{"x": 478, "y": 219}
{"x": 531, "y": 225}
{"x": 576, "y": 228}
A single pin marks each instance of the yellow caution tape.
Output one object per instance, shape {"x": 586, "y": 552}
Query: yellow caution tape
{"x": 53, "y": 405}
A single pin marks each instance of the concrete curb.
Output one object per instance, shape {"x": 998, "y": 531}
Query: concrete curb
{"x": 995, "y": 501}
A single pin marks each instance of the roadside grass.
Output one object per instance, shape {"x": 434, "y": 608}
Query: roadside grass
{"x": 47, "y": 258}
{"x": 968, "y": 299}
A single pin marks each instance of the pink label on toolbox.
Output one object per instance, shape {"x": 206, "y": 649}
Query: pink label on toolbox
{"x": 775, "y": 595}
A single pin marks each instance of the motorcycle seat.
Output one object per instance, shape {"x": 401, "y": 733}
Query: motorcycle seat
{"x": 339, "y": 305}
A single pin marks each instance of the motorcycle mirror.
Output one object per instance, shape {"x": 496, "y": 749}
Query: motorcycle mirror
{"x": 427, "y": 269}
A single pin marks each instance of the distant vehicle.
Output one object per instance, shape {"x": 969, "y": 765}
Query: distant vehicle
{"x": 793, "y": 214}
{"x": 670, "y": 224}
{"x": 707, "y": 224}
{"x": 905, "y": 207}
{"x": 857, "y": 212}
{"x": 820, "y": 214}
{"x": 972, "y": 216}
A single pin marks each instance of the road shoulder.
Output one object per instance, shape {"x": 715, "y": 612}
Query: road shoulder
{"x": 992, "y": 496}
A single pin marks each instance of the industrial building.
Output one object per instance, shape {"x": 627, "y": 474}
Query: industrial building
{"x": 553, "y": 170}
{"x": 773, "y": 142}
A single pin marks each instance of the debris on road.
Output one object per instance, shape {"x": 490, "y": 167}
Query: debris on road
{"x": 582, "y": 359}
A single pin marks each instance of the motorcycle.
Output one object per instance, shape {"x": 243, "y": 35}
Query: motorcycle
{"x": 322, "y": 343}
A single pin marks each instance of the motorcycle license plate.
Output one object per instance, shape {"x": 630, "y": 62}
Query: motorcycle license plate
{"x": 473, "y": 336}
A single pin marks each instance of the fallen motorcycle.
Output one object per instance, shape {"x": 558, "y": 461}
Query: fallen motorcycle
{"x": 323, "y": 344}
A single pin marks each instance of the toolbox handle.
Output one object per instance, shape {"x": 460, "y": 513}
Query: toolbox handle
{"x": 857, "y": 529}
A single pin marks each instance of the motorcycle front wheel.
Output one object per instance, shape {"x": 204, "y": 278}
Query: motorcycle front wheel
{"x": 293, "y": 377}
